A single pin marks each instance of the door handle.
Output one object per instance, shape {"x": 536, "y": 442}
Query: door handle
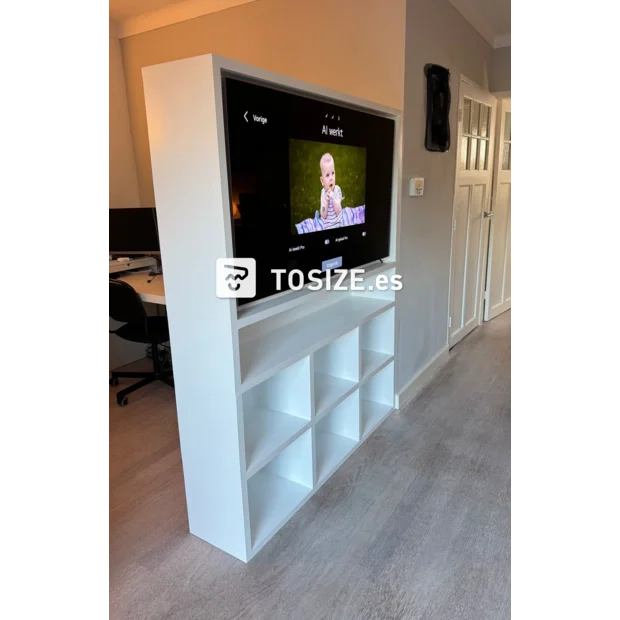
{"x": 489, "y": 214}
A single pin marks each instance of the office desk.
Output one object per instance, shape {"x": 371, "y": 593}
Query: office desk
{"x": 133, "y": 263}
{"x": 152, "y": 293}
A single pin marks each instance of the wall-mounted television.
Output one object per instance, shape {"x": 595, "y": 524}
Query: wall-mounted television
{"x": 310, "y": 181}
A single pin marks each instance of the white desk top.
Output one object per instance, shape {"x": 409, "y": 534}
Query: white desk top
{"x": 133, "y": 263}
{"x": 152, "y": 292}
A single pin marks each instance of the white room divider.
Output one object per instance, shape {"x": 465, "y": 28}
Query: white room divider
{"x": 268, "y": 406}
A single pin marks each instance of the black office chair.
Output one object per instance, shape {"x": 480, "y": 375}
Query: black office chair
{"x": 126, "y": 307}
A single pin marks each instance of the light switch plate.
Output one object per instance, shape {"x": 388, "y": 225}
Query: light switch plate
{"x": 416, "y": 186}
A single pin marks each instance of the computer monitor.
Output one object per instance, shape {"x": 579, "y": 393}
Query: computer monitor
{"x": 133, "y": 231}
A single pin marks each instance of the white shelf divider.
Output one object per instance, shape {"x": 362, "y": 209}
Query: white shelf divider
{"x": 266, "y": 433}
{"x": 337, "y": 435}
{"x": 276, "y": 491}
{"x": 275, "y": 412}
{"x": 372, "y": 361}
{"x": 329, "y": 391}
{"x": 377, "y": 399}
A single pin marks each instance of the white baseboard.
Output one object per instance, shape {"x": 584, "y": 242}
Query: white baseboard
{"x": 422, "y": 379}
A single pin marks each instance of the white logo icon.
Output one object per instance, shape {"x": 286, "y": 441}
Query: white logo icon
{"x": 235, "y": 278}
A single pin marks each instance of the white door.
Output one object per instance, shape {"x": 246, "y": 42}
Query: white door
{"x": 497, "y": 294}
{"x": 475, "y": 148}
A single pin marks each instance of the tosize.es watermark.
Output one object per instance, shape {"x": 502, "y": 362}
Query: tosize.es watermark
{"x": 236, "y": 278}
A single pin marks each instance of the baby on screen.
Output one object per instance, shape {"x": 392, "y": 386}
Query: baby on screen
{"x": 331, "y": 194}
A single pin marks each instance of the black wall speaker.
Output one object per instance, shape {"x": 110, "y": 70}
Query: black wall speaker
{"x": 437, "y": 108}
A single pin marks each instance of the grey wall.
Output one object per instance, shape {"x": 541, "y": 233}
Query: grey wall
{"x": 436, "y": 33}
{"x": 499, "y": 76}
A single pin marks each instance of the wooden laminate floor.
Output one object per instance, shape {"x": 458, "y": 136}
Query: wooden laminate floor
{"x": 415, "y": 525}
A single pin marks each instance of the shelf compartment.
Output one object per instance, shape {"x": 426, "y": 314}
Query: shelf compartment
{"x": 277, "y": 491}
{"x": 377, "y": 339}
{"x": 377, "y": 399}
{"x": 275, "y": 411}
{"x": 336, "y": 371}
{"x": 373, "y": 361}
{"x": 337, "y": 435}
{"x": 372, "y": 414}
{"x": 264, "y": 353}
{"x": 272, "y": 306}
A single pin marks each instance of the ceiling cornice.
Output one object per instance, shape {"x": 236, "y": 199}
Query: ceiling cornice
{"x": 173, "y": 14}
{"x": 502, "y": 40}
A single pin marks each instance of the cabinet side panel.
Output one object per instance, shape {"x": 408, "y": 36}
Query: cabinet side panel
{"x": 182, "y": 105}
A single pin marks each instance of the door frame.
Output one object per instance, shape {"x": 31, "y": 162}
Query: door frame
{"x": 482, "y": 267}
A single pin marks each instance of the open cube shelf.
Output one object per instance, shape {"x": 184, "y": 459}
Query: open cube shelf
{"x": 302, "y": 422}
{"x": 279, "y": 488}
{"x": 274, "y": 412}
{"x": 377, "y": 341}
{"x": 337, "y": 434}
{"x": 377, "y": 399}
{"x": 336, "y": 371}
{"x": 295, "y": 335}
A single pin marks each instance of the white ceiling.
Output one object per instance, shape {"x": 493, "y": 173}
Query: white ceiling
{"x": 491, "y": 18}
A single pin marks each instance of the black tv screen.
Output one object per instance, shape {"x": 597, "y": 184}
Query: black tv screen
{"x": 310, "y": 181}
